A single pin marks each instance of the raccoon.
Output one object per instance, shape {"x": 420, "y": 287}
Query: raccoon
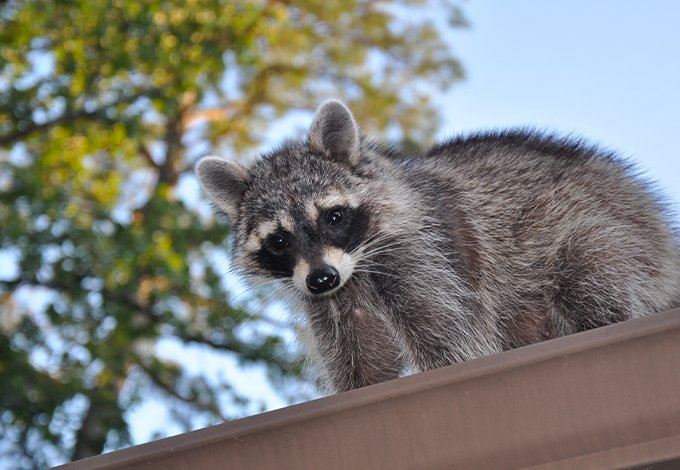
{"x": 482, "y": 244}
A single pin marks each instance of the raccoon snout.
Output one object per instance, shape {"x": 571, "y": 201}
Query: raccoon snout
{"x": 323, "y": 279}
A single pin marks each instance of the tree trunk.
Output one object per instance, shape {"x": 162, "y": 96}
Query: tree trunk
{"x": 92, "y": 434}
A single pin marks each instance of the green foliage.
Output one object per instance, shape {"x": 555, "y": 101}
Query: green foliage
{"x": 105, "y": 106}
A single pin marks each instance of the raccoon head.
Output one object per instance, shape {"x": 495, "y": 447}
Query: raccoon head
{"x": 300, "y": 212}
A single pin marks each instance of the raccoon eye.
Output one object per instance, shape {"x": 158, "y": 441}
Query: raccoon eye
{"x": 277, "y": 242}
{"x": 334, "y": 217}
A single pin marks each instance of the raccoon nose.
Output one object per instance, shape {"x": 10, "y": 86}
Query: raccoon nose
{"x": 323, "y": 279}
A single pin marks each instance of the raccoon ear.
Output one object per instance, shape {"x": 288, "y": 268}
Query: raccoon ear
{"x": 335, "y": 133}
{"x": 224, "y": 181}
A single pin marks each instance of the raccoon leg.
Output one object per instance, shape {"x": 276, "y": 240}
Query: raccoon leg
{"x": 589, "y": 292}
{"x": 439, "y": 335}
{"x": 355, "y": 348}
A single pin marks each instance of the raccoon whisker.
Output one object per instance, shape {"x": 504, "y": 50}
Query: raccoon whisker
{"x": 267, "y": 300}
{"x": 253, "y": 287}
{"x": 264, "y": 302}
{"x": 390, "y": 247}
{"x": 394, "y": 235}
{"x": 344, "y": 250}
{"x": 373, "y": 272}
{"x": 284, "y": 294}
{"x": 379, "y": 273}
{"x": 366, "y": 260}
{"x": 387, "y": 241}
{"x": 376, "y": 238}
{"x": 286, "y": 301}
{"x": 362, "y": 251}
{"x": 367, "y": 264}
{"x": 424, "y": 229}
{"x": 373, "y": 241}
{"x": 378, "y": 252}
{"x": 271, "y": 321}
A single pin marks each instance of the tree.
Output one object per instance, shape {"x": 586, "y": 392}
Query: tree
{"x": 105, "y": 106}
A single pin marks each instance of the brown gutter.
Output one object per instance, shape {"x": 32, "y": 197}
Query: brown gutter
{"x": 607, "y": 398}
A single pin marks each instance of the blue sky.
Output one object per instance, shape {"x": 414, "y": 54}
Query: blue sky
{"x": 607, "y": 70}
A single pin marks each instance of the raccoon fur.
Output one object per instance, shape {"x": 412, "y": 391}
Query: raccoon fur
{"x": 482, "y": 244}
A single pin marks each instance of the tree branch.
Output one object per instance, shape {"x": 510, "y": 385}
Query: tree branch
{"x": 243, "y": 351}
{"x": 70, "y": 116}
{"x": 235, "y": 110}
{"x": 146, "y": 153}
{"x": 218, "y": 113}
{"x": 52, "y": 284}
{"x": 170, "y": 390}
{"x": 101, "y": 416}
{"x": 91, "y": 435}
